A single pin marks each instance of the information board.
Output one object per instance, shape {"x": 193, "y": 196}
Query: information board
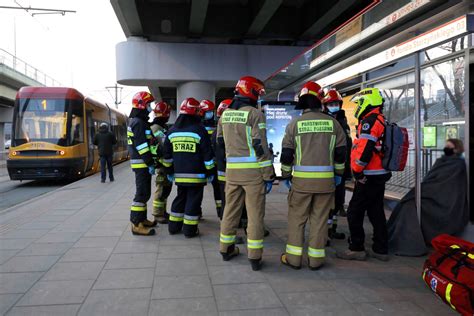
{"x": 278, "y": 115}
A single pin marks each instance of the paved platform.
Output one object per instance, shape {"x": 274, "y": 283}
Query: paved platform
{"x": 70, "y": 252}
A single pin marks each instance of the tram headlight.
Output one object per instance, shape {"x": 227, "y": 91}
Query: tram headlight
{"x": 61, "y": 152}
{"x": 14, "y": 153}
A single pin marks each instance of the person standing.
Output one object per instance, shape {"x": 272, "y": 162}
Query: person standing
{"x": 370, "y": 176}
{"x": 207, "y": 108}
{"x": 105, "y": 141}
{"x": 311, "y": 172}
{"x": 163, "y": 185}
{"x": 332, "y": 105}
{"x": 189, "y": 162}
{"x": 142, "y": 163}
{"x": 249, "y": 170}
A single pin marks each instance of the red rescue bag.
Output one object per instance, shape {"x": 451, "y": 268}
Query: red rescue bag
{"x": 449, "y": 272}
{"x": 395, "y": 147}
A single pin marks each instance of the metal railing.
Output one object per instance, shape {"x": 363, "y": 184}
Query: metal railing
{"x": 26, "y": 69}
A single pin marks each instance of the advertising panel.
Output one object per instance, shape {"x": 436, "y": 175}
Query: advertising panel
{"x": 278, "y": 115}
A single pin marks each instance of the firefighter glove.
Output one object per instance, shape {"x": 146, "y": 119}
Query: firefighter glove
{"x": 210, "y": 178}
{"x": 268, "y": 186}
{"x": 170, "y": 177}
{"x": 337, "y": 180}
{"x": 151, "y": 170}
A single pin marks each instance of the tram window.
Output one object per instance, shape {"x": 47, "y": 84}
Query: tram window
{"x": 77, "y": 125}
{"x": 401, "y": 64}
{"x": 43, "y": 120}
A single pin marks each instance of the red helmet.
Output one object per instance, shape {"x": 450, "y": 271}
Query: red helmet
{"x": 332, "y": 96}
{"x": 189, "y": 106}
{"x": 141, "y": 100}
{"x": 206, "y": 106}
{"x": 162, "y": 109}
{"x": 250, "y": 87}
{"x": 224, "y": 105}
{"x": 312, "y": 88}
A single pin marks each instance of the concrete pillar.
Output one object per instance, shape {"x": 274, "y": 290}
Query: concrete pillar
{"x": 195, "y": 89}
{"x": 199, "y": 90}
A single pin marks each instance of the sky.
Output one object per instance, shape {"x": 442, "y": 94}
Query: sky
{"x": 77, "y": 49}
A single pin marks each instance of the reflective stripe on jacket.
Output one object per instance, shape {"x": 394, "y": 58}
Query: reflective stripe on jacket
{"x": 138, "y": 140}
{"x": 242, "y": 134}
{"x": 313, "y": 152}
{"x": 188, "y": 153}
{"x": 366, "y": 154}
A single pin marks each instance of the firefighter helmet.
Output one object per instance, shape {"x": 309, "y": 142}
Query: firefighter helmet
{"x": 365, "y": 99}
{"x": 250, "y": 87}
{"x": 162, "y": 109}
{"x": 189, "y": 106}
{"x": 310, "y": 96}
{"x": 206, "y": 106}
{"x": 332, "y": 96}
{"x": 141, "y": 100}
{"x": 312, "y": 88}
{"x": 224, "y": 105}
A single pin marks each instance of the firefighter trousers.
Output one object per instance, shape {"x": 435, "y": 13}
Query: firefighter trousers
{"x": 162, "y": 191}
{"x": 368, "y": 197}
{"x": 340, "y": 196}
{"x": 304, "y": 207}
{"x": 217, "y": 195}
{"x": 243, "y": 218}
{"x": 142, "y": 195}
{"x": 185, "y": 210}
{"x": 253, "y": 195}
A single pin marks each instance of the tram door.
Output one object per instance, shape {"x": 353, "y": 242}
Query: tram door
{"x": 471, "y": 137}
{"x": 90, "y": 140}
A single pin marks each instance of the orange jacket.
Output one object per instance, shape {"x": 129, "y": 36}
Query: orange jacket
{"x": 366, "y": 154}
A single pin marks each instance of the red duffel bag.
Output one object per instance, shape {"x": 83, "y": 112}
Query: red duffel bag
{"x": 449, "y": 272}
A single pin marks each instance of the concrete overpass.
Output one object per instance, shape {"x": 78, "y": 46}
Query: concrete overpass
{"x": 200, "y": 48}
{"x": 14, "y": 74}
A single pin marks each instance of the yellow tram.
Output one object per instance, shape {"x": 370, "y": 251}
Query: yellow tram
{"x": 52, "y": 134}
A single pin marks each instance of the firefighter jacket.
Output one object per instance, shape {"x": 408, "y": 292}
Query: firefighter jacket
{"x": 241, "y": 131}
{"x": 187, "y": 152}
{"x": 366, "y": 154}
{"x": 340, "y": 116}
{"x": 210, "y": 126}
{"x": 219, "y": 154}
{"x": 138, "y": 139}
{"x": 157, "y": 142}
{"x": 314, "y": 146}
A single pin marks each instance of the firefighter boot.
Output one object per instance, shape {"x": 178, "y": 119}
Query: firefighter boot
{"x": 162, "y": 219}
{"x": 140, "y": 229}
{"x": 148, "y": 223}
{"x": 379, "y": 256}
{"x": 284, "y": 260}
{"x": 256, "y": 264}
{"x": 333, "y": 234}
{"x": 342, "y": 211}
{"x": 232, "y": 252}
{"x": 351, "y": 255}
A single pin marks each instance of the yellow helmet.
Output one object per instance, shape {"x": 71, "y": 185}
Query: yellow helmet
{"x": 367, "y": 98}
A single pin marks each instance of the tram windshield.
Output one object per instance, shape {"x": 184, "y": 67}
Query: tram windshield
{"x": 56, "y": 121}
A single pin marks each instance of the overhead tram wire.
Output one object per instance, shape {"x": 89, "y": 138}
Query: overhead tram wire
{"x": 42, "y": 10}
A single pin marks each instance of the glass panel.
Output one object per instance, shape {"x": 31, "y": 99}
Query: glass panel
{"x": 41, "y": 120}
{"x": 383, "y": 16}
{"x": 399, "y": 65}
{"x": 442, "y": 108}
{"x": 444, "y": 49}
{"x": 399, "y": 107}
{"x": 77, "y": 124}
{"x": 46, "y": 120}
